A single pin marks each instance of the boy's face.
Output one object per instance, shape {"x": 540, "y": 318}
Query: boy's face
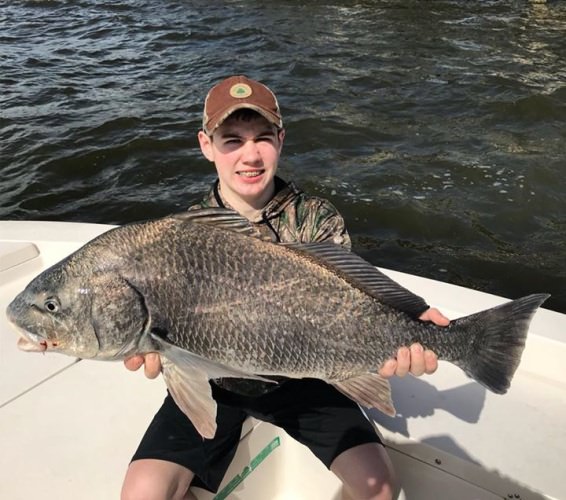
{"x": 246, "y": 154}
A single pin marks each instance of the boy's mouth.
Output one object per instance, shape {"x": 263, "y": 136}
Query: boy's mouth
{"x": 250, "y": 173}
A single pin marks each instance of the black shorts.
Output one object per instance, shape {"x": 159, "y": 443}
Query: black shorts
{"x": 311, "y": 411}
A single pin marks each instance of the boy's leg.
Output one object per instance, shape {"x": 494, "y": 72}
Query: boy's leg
{"x": 150, "y": 479}
{"x": 366, "y": 472}
{"x": 172, "y": 454}
{"x": 335, "y": 429}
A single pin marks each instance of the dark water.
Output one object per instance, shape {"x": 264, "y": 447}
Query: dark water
{"x": 438, "y": 128}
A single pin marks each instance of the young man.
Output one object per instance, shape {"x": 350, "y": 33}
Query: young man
{"x": 243, "y": 136}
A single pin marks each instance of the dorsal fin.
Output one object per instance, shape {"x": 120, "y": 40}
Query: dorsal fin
{"x": 363, "y": 275}
{"x": 223, "y": 218}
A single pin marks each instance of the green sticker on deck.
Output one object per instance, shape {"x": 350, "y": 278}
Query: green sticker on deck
{"x": 248, "y": 469}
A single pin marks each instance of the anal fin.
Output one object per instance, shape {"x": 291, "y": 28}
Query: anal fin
{"x": 369, "y": 390}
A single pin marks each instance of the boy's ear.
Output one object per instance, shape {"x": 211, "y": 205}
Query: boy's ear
{"x": 206, "y": 145}
{"x": 281, "y": 136}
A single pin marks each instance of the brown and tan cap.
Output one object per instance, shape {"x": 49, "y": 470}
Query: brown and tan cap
{"x": 237, "y": 92}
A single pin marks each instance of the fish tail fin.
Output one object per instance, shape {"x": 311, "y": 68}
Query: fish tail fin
{"x": 496, "y": 339}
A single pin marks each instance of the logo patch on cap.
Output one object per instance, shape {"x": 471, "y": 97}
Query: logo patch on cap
{"x": 240, "y": 91}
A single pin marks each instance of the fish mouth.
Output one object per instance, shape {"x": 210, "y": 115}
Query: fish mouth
{"x": 24, "y": 344}
{"x": 32, "y": 342}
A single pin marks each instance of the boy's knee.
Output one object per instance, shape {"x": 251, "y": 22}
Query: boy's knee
{"x": 372, "y": 489}
{"x": 141, "y": 489}
{"x": 366, "y": 473}
{"x": 155, "y": 480}
{"x": 145, "y": 488}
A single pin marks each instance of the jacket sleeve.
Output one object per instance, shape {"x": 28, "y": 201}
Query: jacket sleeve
{"x": 322, "y": 222}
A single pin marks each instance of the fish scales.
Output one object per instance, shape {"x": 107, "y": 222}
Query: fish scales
{"x": 244, "y": 302}
{"x": 247, "y": 298}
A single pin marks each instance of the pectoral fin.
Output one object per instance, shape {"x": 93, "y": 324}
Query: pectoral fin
{"x": 369, "y": 390}
{"x": 191, "y": 391}
{"x": 187, "y": 377}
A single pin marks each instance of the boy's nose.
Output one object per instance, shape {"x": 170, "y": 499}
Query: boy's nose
{"x": 251, "y": 152}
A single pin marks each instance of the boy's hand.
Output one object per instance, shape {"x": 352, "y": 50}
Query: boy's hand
{"x": 415, "y": 359}
{"x": 151, "y": 364}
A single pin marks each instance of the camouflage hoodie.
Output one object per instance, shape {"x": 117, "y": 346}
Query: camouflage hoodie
{"x": 290, "y": 216}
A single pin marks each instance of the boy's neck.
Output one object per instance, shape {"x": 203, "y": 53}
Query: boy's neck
{"x": 251, "y": 209}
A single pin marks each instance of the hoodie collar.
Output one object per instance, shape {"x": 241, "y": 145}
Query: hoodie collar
{"x": 285, "y": 193}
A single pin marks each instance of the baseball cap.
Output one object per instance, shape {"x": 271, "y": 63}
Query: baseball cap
{"x": 237, "y": 92}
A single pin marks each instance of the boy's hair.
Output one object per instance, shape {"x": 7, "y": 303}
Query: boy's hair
{"x": 245, "y": 115}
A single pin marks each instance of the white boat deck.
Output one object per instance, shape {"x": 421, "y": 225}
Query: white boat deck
{"x": 68, "y": 429}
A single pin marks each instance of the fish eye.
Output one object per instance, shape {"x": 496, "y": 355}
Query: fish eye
{"x": 51, "y": 304}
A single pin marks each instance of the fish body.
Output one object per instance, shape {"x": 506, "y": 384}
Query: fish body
{"x": 216, "y": 301}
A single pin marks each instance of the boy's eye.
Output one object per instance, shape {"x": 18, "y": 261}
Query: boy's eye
{"x": 268, "y": 138}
